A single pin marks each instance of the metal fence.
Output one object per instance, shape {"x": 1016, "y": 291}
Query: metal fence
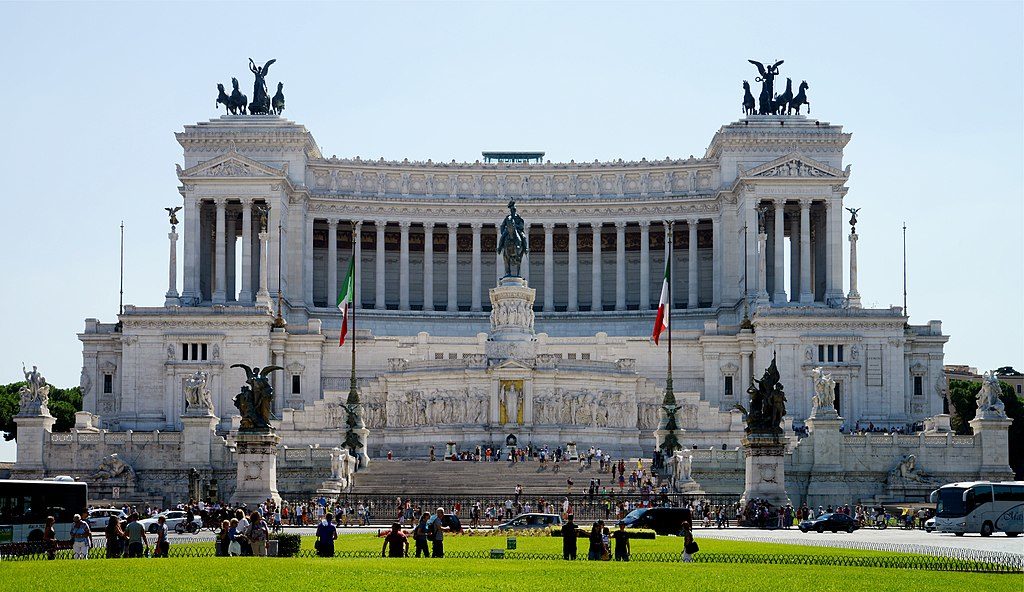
{"x": 965, "y": 561}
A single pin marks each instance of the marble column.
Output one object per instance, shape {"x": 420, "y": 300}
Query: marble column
{"x": 645, "y": 264}
{"x": 854, "y": 295}
{"x": 779, "y": 289}
{"x": 403, "y": 266}
{"x": 190, "y": 253}
{"x": 525, "y": 271}
{"x": 357, "y": 254}
{"x": 573, "y": 277}
{"x": 620, "y": 265}
{"x": 245, "y": 297}
{"x": 595, "y": 276}
{"x": 263, "y": 290}
{"x": 475, "y": 301}
{"x": 171, "y": 298}
{"x": 762, "y": 267}
{"x": 231, "y": 289}
{"x": 806, "y": 291}
{"x": 379, "y": 284}
{"x": 307, "y": 268}
{"x": 716, "y": 262}
{"x": 834, "y": 238}
{"x": 692, "y": 264}
{"x": 453, "y": 266}
{"x": 332, "y": 262}
{"x": 499, "y": 261}
{"x": 794, "y": 259}
{"x": 750, "y": 244}
{"x": 220, "y": 290}
{"x": 428, "y": 266}
{"x": 549, "y": 266}
{"x": 667, "y": 224}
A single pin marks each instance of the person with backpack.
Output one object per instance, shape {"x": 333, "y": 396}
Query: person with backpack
{"x": 436, "y": 530}
{"x": 258, "y": 534}
{"x": 326, "y": 534}
{"x": 419, "y": 535}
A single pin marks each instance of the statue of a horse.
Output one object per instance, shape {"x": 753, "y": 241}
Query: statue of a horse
{"x": 223, "y": 99}
{"x": 277, "y": 103}
{"x": 782, "y": 101}
{"x": 237, "y": 101}
{"x": 513, "y": 247}
{"x": 748, "y": 99}
{"x": 800, "y": 99}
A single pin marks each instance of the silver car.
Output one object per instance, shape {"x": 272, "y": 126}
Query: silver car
{"x": 532, "y": 520}
{"x": 99, "y": 517}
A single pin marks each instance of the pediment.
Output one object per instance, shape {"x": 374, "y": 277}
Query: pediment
{"x": 794, "y": 165}
{"x": 512, "y": 364}
{"x": 231, "y": 165}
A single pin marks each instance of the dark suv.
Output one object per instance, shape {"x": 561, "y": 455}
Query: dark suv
{"x": 661, "y": 520}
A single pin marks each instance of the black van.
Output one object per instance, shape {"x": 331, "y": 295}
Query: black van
{"x": 661, "y": 520}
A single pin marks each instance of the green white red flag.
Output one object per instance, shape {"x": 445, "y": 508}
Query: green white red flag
{"x": 661, "y": 321}
{"x": 346, "y": 297}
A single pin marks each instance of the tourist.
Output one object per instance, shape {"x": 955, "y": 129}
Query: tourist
{"x": 596, "y": 539}
{"x": 162, "y": 544}
{"x": 258, "y": 535}
{"x": 136, "y": 536}
{"x": 419, "y": 535}
{"x": 243, "y": 528}
{"x": 224, "y": 539}
{"x": 396, "y": 543}
{"x": 234, "y": 539}
{"x": 689, "y": 546}
{"x": 115, "y": 538}
{"x": 436, "y": 529}
{"x": 326, "y": 534}
{"x": 50, "y": 538}
{"x": 569, "y": 536}
{"x": 81, "y": 538}
{"x": 433, "y": 456}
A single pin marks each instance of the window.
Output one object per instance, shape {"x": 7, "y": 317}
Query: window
{"x": 585, "y": 356}
{"x": 728, "y": 386}
{"x": 839, "y": 353}
{"x": 821, "y": 353}
{"x": 296, "y": 384}
{"x": 194, "y": 352}
{"x": 572, "y": 356}
{"x": 453, "y": 356}
{"x": 831, "y": 353}
{"x": 438, "y": 356}
{"x": 108, "y": 384}
{"x": 838, "y": 392}
{"x": 918, "y": 386}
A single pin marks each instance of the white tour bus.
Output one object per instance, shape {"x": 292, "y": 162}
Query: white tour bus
{"x": 980, "y": 506}
{"x": 24, "y": 506}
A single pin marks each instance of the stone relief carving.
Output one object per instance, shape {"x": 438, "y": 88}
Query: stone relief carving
{"x": 85, "y": 382}
{"x": 434, "y": 406}
{"x": 605, "y": 408}
{"x": 113, "y": 468}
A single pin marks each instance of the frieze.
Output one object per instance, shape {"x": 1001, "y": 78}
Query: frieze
{"x": 583, "y": 212}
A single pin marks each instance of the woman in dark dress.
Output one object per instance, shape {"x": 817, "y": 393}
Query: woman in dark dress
{"x": 50, "y": 538}
{"x": 116, "y": 538}
{"x": 326, "y": 533}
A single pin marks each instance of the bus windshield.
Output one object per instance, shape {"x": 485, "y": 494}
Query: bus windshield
{"x": 950, "y": 502}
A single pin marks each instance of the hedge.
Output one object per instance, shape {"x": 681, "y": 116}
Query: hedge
{"x": 287, "y": 544}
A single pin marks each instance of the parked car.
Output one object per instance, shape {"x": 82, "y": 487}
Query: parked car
{"x": 174, "y": 517}
{"x": 834, "y": 522}
{"x": 929, "y": 524}
{"x": 531, "y": 520}
{"x": 99, "y": 517}
{"x": 663, "y": 521}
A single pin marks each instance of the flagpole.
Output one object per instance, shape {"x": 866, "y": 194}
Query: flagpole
{"x": 669, "y": 390}
{"x": 353, "y": 394}
{"x": 668, "y": 426}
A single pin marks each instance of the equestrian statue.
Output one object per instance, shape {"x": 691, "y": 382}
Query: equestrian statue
{"x": 513, "y": 244}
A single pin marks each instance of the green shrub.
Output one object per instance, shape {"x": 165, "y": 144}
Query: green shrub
{"x": 287, "y": 544}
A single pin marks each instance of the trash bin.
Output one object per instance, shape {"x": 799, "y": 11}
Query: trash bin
{"x": 510, "y": 543}
{"x": 497, "y": 553}
{"x": 272, "y": 548}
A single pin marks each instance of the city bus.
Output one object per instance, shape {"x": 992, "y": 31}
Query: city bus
{"x": 983, "y": 507}
{"x": 24, "y": 506}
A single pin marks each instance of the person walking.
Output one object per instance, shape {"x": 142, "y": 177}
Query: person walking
{"x": 81, "y": 538}
{"x": 326, "y": 534}
{"x": 436, "y": 528}
{"x": 596, "y": 539}
{"x": 419, "y": 535}
{"x": 569, "y": 535}
{"x": 395, "y": 543}
{"x": 136, "y": 536}
{"x": 162, "y": 544}
{"x": 50, "y": 538}
{"x": 621, "y": 543}
{"x": 115, "y": 538}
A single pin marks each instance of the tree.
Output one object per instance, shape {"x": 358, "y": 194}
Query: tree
{"x": 963, "y": 407}
{"x": 64, "y": 403}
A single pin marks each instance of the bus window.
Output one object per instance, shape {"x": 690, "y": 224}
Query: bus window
{"x": 950, "y": 502}
{"x": 1008, "y": 493}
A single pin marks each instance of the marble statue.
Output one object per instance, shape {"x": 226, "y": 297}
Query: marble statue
{"x": 112, "y": 467}
{"x": 990, "y": 406}
{"x": 513, "y": 245}
{"x": 197, "y": 395}
{"x": 824, "y": 391}
{"x": 906, "y": 471}
{"x": 256, "y": 399}
{"x": 35, "y": 395}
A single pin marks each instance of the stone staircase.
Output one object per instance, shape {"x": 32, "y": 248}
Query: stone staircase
{"x": 402, "y": 477}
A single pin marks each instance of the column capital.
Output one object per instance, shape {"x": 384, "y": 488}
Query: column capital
{"x": 358, "y": 225}
{"x": 476, "y": 226}
{"x": 429, "y": 225}
{"x": 248, "y": 201}
{"x": 573, "y": 226}
{"x": 332, "y": 223}
{"x": 620, "y": 225}
{"x": 668, "y": 224}
{"x": 380, "y": 224}
{"x": 549, "y": 227}
{"x": 453, "y": 228}
{"x": 404, "y": 225}
{"x": 645, "y": 224}
{"x": 595, "y": 227}
{"x": 805, "y": 203}
{"x": 692, "y": 222}
{"x": 779, "y": 201}
{"x": 220, "y": 202}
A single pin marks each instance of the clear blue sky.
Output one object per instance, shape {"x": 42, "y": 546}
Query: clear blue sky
{"x": 932, "y": 93}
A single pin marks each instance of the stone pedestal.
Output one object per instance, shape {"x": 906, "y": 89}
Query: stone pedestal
{"x": 512, "y": 334}
{"x": 938, "y": 424}
{"x": 992, "y": 434}
{"x": 33, "y": 436}
{"x": 765, "y": 469}
{"x": 828, "y": 484}
{"x": 449, "y": 450}
{"x": 256, "y": 455}
{"x": 853, "y": 298}
{"x": 198, "y": 433}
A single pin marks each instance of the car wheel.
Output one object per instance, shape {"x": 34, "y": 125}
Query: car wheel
{"x": 958, "y": 533}
{"x": 819, "y": 529}
{"x": 803, "y": 530}
{"x": 1012, "y": 534}
{"x": 986, "y": 529}
{"x": 849, "y": 529}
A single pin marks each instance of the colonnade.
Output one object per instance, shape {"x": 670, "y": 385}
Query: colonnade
{"x": 815, "y": 257}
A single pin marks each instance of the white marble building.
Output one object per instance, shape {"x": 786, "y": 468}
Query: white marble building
{"x": 425, "y": 260}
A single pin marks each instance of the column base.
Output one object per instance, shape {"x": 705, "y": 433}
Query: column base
{"x": 263, "y": 299}
{"x": 219, "y": 298}
{"x": 780, "y": 298}
{"x": 853, "y": 300}
{"x": 806, "y": 298}
{"x": 172, "y": 299}
{"x": 256, "y": 477}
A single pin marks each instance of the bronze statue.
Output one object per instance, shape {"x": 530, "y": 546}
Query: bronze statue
{"x": 513, "y": 244}
{"x": 748, "y": 99}
{"x": 237, "y": 101}
{"x": 767, "y": 404}
{"x": 223, "y": 99}
{"x": 255, "y": 400}
{"x": 173, "y": 214}
{"x": 766, "y": 101}
{"x": 260, "y": 98}
{"x": 278, "y": 101}
{"x": 799, "y": 99}
{"x": 853, "y": 217}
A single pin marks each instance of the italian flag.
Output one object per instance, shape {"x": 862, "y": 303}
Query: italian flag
{"x": 345, "y": 297}
{"x": 661, "y": 321}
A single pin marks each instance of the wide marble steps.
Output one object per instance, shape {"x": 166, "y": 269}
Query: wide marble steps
{"x": 500, "y": 478}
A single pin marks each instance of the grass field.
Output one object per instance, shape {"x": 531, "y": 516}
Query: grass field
{"x": 391, "y": 575}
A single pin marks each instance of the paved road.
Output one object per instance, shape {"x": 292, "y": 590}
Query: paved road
{"x": 998, "y": 543}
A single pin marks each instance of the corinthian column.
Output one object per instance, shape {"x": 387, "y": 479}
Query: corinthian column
{"x": 572, "y": 291}
{"x": 263, "y": 291}
{"x": 453, "y": 265}
{"x": 549, "y": 266}
{"x": 245, "y": 297}
{"x": 779, "y": 292}
{"x": 428, "y": 266}
{"x": 854, "y": 296}
{"x": 357, "y": 254}
{"x": 332, "y": 262}
{"x": 220, "y": 291}
{"x": 691, "y": 264}
{"x": 403, "y": 267}
{"x": 620, "y": 265}
{"x": 645, "y": 264}
{"x": 806, "y": 291}
{"x": 171, "y": 298}
{"x": 475, "y": 302}
{"x": 379, "y": 287}
{"x": 595, "y": 276}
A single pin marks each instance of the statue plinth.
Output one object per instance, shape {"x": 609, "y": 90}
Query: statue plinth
{"x": 512, "y": 335}
{"x": 198, "y": 432}
{"x": 256, "y": 477}
{"x": 765, "y": 476}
